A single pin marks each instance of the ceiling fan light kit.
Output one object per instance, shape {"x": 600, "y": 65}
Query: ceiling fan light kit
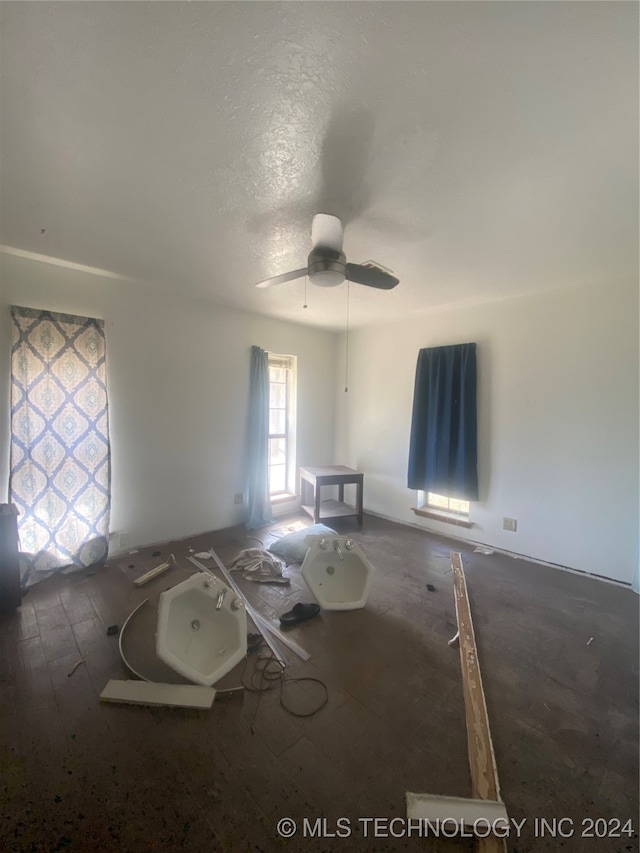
{"x": 327, "y": 265}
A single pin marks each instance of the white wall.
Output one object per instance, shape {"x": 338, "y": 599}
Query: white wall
{"x": 558, "y": 409}
{"x": 178, "y": 374}
{"x": 558, "y": 422}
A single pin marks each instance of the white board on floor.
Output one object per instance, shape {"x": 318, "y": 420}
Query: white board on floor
{"x": 432, "y": 807}
{"x": 149, "y": 693}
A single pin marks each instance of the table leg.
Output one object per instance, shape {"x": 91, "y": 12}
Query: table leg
{"x": 316, "y": 511}
{"x": 359, "y": 490}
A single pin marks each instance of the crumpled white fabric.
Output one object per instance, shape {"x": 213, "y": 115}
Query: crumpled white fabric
{"x": 258, "y": 565}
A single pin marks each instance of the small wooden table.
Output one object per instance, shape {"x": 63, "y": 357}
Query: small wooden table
{"x": 313, "y": 479}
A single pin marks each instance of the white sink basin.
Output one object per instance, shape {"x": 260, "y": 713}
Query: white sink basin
{"x": 202, "y": 629}
{"x": 337, "y": 573}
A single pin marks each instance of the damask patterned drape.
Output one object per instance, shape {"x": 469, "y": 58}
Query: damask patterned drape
{"x": 60, "y": 455}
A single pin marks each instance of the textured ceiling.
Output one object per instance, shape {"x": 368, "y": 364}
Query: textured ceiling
{"x": 478, "y": 150}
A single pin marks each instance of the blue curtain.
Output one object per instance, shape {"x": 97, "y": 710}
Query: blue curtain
{"x": 443, "y": 448}
{"x": 258, "y": 503}
{"x": 60, "y": 455}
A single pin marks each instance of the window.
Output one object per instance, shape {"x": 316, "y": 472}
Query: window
{"x": 60, "y": 455}
{"x": 447, "y": 504}
{"x": 443, "y": 508}
{"x": 282, "y": 409}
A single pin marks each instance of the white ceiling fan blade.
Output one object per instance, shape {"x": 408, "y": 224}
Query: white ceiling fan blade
{"x": 280, "y": 279}
{"x": 327, "y": 231}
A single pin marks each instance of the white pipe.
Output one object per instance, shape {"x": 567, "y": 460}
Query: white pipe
{"x": 261, "y": 621}
{"x": 120, "y": 636}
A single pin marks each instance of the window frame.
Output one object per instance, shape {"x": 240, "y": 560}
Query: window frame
{"x": 288, "y": 363}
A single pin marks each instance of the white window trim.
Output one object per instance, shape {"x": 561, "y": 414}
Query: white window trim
{"x": 291, "y": 363}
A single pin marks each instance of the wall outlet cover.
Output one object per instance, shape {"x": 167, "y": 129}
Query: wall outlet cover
{"x": 510, "y": 524}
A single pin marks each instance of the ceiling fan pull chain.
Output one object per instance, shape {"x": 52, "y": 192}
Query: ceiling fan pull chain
{"x": 305, "y": 291}
{"x": 346, "y": 361}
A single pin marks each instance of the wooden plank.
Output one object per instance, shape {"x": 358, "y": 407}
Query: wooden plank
{"x": 482, "y": 760}
{"x": 150, "y": 693}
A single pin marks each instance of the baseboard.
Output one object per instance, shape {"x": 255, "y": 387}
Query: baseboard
{"x": 295, "y": 506}
{"x": 277, "y": 510}
{"x": 132, "y": 549}
{"x": 513, "y": 554}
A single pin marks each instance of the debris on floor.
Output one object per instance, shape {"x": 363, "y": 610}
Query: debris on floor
{"x": 268, "y": 673}
{"x": 151, "y": 574}
{"x": 482, "y": 549}
{"x": 277, "y": 579}
{"x": 265, "y": 626}
{"x": 149, "y": 693}
{"x": 112, "y": 630}
{"x": 254, "y": 641}
{"x": 191, "y": 638}
{"x": 204, "y": 555}
{"x": 337, "y": 572}
{"x": 486, "y": 803}
{"x": 75, "y": 666}
{"x": 258, "y": 566}
{"x": 431, "y": 587}
{"x": 299, "y": 613}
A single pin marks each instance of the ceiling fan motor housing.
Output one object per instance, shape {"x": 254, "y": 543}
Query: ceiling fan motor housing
{"x": 326, "y": 267}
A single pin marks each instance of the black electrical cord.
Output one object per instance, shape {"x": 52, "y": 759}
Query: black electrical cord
{"x": 268, "y": 673}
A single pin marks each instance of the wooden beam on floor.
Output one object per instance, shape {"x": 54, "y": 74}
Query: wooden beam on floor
{"x": 486, "y": 806}
{"x": 482, "y": 760}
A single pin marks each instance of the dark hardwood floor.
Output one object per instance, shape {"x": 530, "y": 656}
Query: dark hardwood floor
{"x": 81, "y": 775}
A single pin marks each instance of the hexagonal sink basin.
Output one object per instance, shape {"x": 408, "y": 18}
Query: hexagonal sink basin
{"x": 337, "y": 573}
{"x": 202, "y": 629}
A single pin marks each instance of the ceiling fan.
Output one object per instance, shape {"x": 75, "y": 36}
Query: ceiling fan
{"x": 327, "y": 265}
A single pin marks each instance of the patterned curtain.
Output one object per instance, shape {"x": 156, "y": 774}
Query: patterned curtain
{"x": 60, "y": 456}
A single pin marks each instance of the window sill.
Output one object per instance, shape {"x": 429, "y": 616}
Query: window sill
{"x": 440, "y": 515}
{"x": 284, "y": 498}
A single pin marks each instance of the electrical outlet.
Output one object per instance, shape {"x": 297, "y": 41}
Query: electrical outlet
{"x": 238, "y": 499}
{"x": 509, "y": 524}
